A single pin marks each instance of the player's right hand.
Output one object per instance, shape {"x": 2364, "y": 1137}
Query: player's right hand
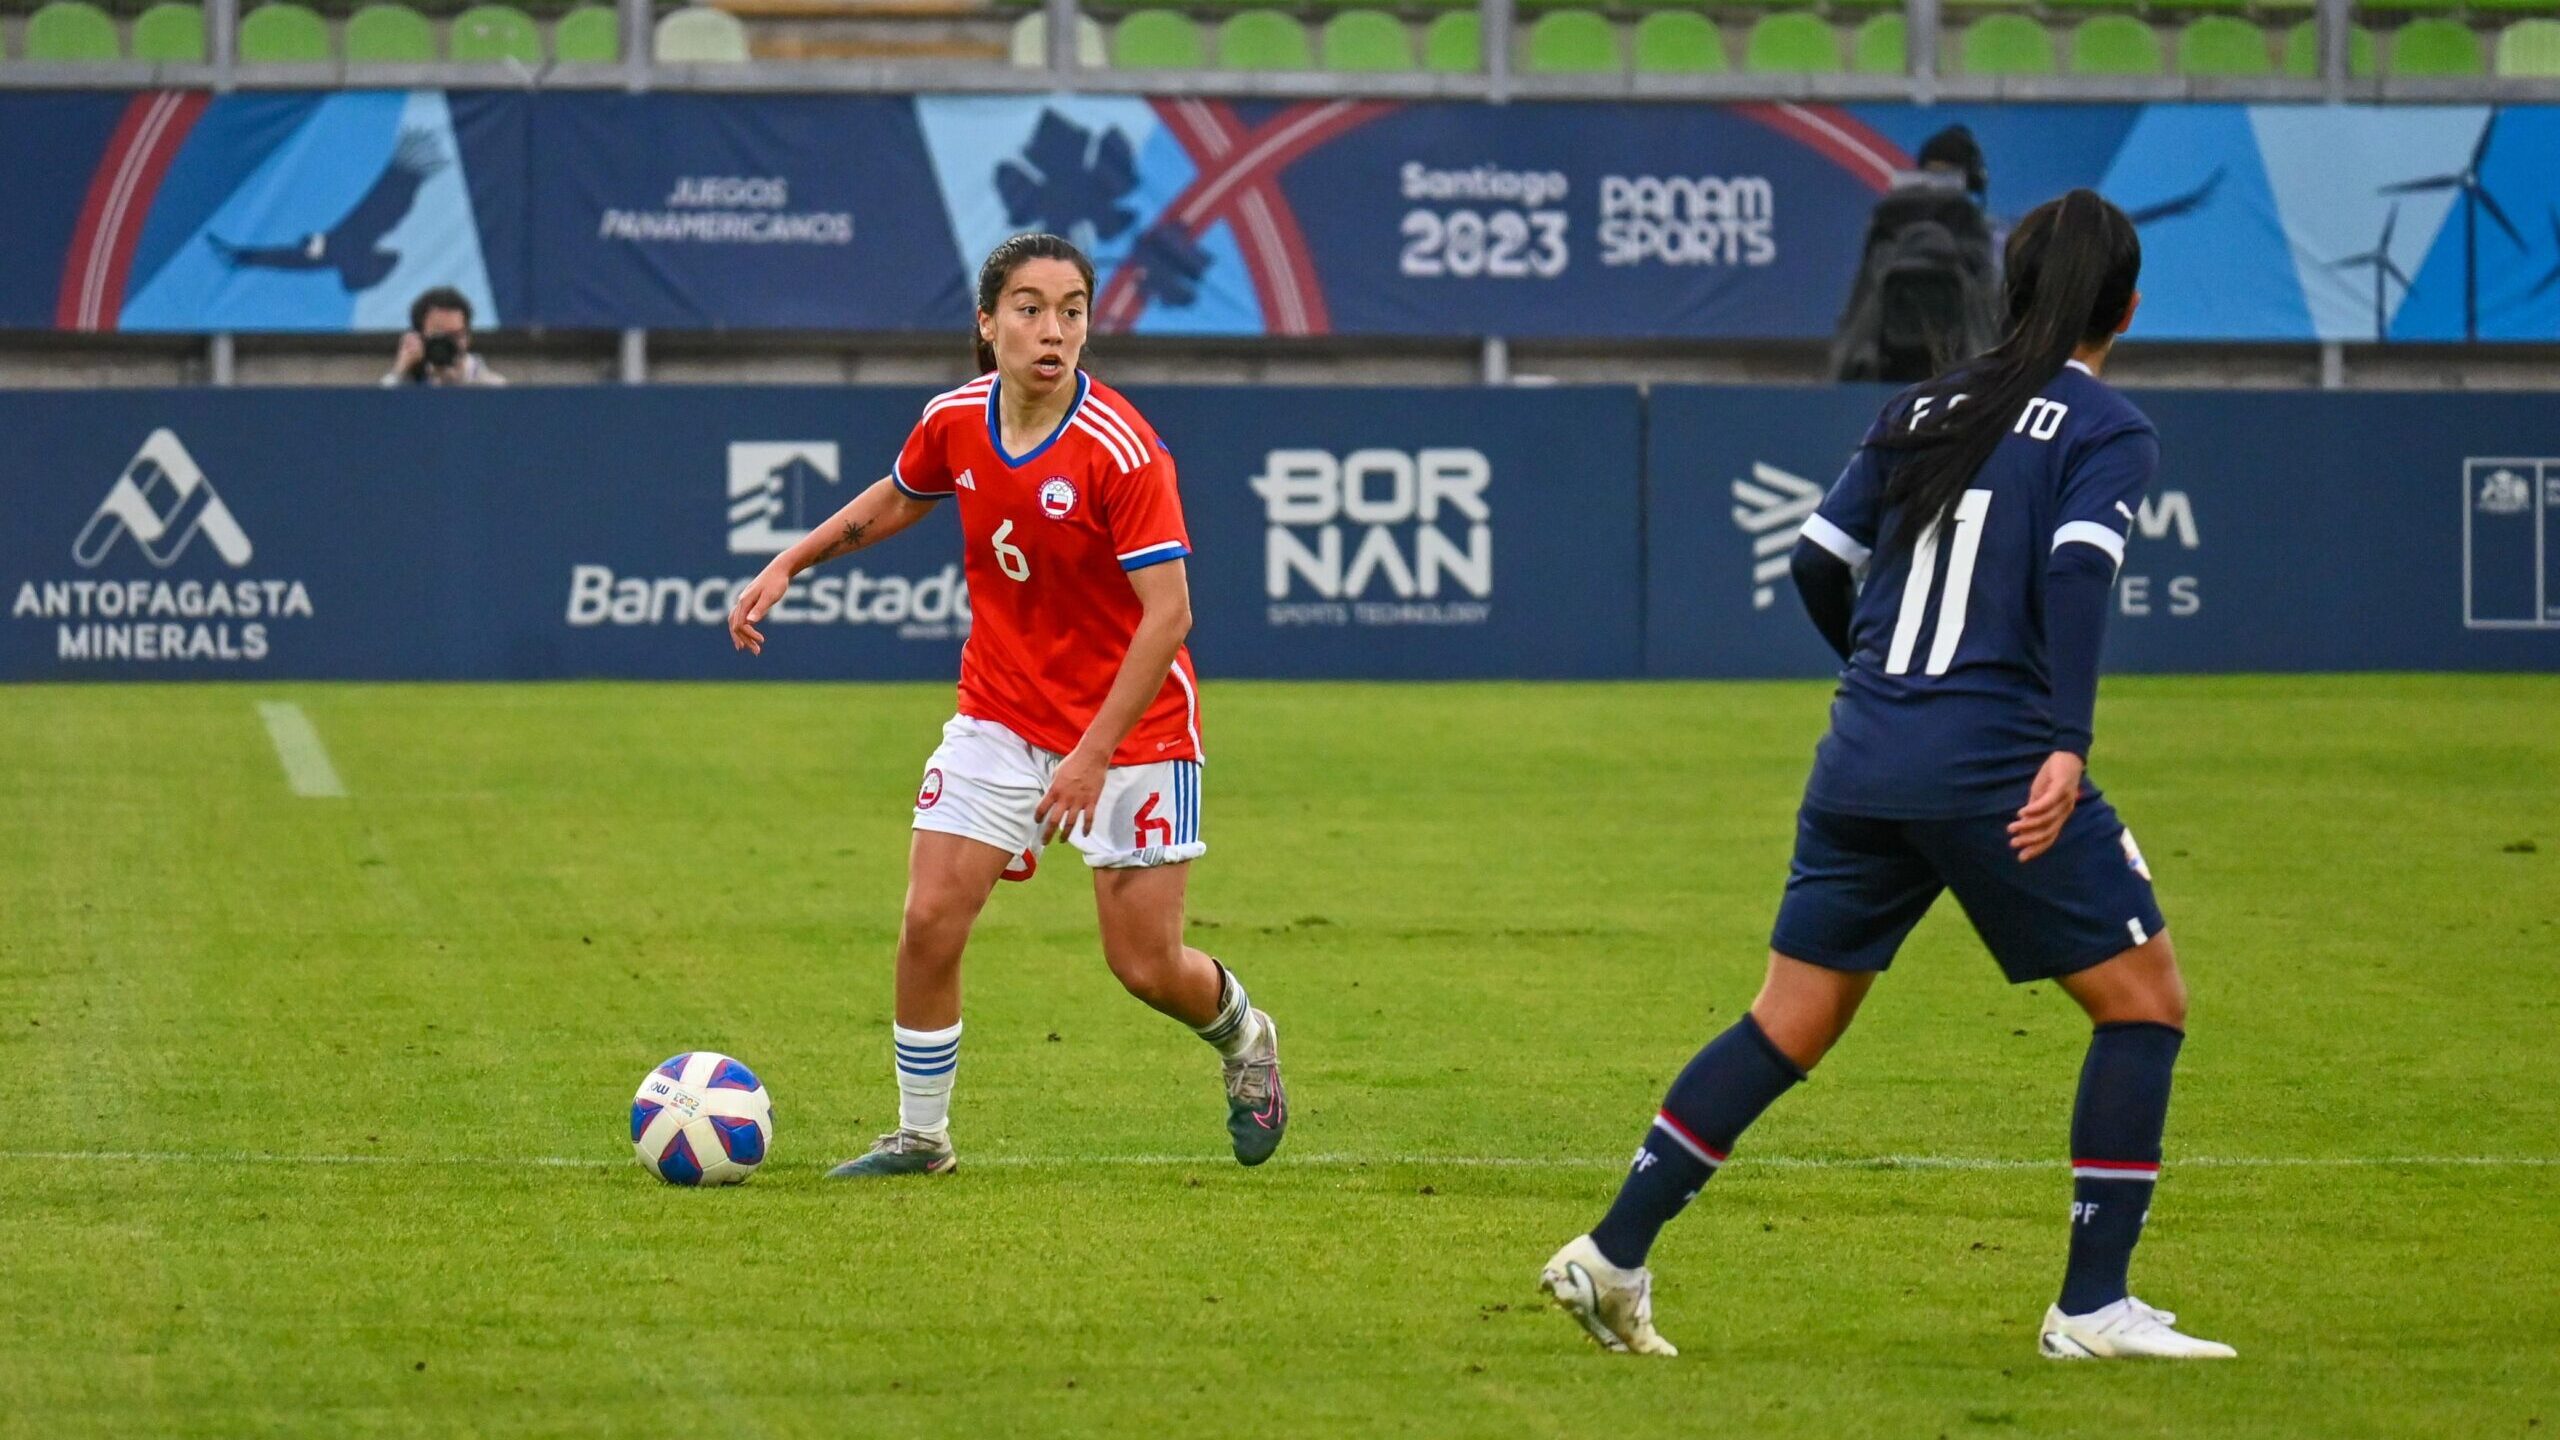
{"x": 755, "y": 598}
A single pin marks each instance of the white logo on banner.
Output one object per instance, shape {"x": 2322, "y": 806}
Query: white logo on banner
{"x": 161, "y": 503}
{"x": 1771, "y": 508}
{"x": 2510, "y": 551}
{"x": 1334, "y": 531}
{"x": 777, "y": 492}
{"x": 769, "y": 483}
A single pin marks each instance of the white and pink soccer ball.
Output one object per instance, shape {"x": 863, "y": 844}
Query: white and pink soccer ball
{"x": 701, "y": 1119}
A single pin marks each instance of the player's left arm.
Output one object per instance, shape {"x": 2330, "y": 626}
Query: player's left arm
{"x": 1075, "y": 793}
{"x": 2096, "y": 516}
{"x": 1144, "y": 513}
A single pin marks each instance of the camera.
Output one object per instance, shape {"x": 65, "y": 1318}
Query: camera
{"x": 441, "y": 351}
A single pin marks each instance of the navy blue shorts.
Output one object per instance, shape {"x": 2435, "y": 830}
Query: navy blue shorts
{"x": 1858, "y": 885}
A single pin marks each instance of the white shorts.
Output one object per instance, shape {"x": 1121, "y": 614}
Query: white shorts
{"x": 984, "y": 782}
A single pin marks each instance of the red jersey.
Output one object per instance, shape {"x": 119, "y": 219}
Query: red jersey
{"x": 1050, "y": 537}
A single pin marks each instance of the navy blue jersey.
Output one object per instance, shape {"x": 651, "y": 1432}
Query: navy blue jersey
{"x": 1945, "y": 709}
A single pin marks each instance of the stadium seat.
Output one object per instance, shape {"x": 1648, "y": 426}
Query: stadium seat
{"x": 280, "y": 33}
{"x": 389, "y": 35}
{"x": 1365, "y": 40}
{"x": 1030, "y": 48}
{"x": 1573, "y": 42}
{"x": 1792, "y": 43}
{"x": 2436, "y": 48}
{"x": 1679, "y": 42}
{"x": 2188, "y": 7}
{"x": 2537, "y": 7}
{"x": 2530, "y": 48}
{"x": 1264, "y": 40}
{"x": 1158, "y": 40}
{"x": 1453, "y": 44}
{"x": 2115, "y": 45}
{"x": 69, "y": 31}
{"x": 588, "y": 35}
{"x": 169, "y": 34}
{"x": 2007, "y": 45}
{"x": 494, "y": 32}
{"x": 1880, "y": 46}
{"x": 2224, "y": 45}
{"x": 2302, "y": 52}
{"x": 699, "y": 35}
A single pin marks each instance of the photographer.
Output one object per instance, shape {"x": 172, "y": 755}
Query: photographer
{"x": 436, "y": 349}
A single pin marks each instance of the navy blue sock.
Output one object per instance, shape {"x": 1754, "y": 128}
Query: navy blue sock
{"x": 1724, "y": 1089}
{"x": 2115, "y": 1156}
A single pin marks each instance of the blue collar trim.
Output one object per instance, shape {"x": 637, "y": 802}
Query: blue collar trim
{"x": 995, "y": 425}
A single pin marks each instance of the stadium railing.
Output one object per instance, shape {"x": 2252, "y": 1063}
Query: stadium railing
{"x": 2258, "y": 50}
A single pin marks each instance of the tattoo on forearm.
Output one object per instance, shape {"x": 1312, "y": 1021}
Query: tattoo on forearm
{"x": 847, "y": 540}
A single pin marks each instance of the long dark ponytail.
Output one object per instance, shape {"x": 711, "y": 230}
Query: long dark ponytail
{"x": 1010, "y": 256}
{"x": 2071, "y": 268}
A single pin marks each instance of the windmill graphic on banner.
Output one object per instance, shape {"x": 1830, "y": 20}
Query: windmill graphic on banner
{"x": 2385, "y": 269}
{"x": 2476, "y": 197}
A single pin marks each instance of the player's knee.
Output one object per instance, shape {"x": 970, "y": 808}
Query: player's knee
{"x": 1148, "y": 972}
{"x": 935, "y": 922}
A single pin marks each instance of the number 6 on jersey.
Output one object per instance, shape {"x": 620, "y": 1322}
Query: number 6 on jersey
{"x": 1009, "y": 558}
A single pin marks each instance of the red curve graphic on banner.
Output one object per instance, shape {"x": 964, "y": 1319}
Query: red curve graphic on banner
{"x": 138, "y": 157}
{"x": 1238, "y": 182}
{"x": 1843, "y": 139}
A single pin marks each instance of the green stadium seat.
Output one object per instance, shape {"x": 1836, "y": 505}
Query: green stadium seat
{"x": 2223, "y": 45}
{"x": 1158, "y": 40}
{"x": 1792, "y": 43}
{"x": 1572, "y": 42}
{"x": 588, "y": 35}
{"x": 2115, "y": 45}
{"x": 2007, "y": 45}
{"x": 389, "y": 35}
{"x": 169, "y": 34}
{"x": 2406, "y": 7}
{"x": 71, "y": 31}
{"x": 1881, "y": 45}
{"x": 492, "y": 33}
{"x": 2535, "y": 7}
{"x": 2302, "y": 52}
{"x": 1453, "y": 44}
{"x": 2184, "y": 7}
{"x": 1365, "y": 40}
{"x": 2436, "y": 48}
{"x": 1679, "y": 42}
{"x": 280, "y": 33}
{"x": 1264, "y": 40}
{"x": 2530, "y": 49}
{"x": 1030, "y": 48}
{"x": 700, "y": 35}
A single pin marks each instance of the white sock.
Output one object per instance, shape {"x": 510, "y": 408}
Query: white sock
{"x": 1235, "y": 1029}
{"x": 928, "y": 1060}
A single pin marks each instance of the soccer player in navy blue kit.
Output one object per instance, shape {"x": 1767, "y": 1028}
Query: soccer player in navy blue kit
{"x": 1985, "y": 513}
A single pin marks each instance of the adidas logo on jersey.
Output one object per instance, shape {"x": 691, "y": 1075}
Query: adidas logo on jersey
{"x": 966, "y": 481}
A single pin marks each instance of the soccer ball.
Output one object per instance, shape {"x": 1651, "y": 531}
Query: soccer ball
{"x": 701, "y": 1119}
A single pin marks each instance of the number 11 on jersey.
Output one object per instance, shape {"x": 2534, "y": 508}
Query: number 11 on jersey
{"x": 1959, "y": 588}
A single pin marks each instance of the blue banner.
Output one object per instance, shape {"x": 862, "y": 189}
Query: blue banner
{"x": 2287, "y": 531}
{"x": 533, "y": 534}
{"x": 267, "y": 211}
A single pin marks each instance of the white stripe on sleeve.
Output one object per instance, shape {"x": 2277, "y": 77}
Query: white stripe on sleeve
{"x": 2090, "y": 532}
{"x": 1838, "y": 541}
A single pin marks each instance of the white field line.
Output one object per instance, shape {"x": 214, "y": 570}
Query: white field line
{"x": 305, "y": 759}
{"x": 1336, "y": 1161}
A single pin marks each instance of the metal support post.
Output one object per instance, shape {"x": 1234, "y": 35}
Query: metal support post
{"x": 222, "y": 359}
{"x": 635, "y": 17}
{"x": 1497, "y": 360}
{"x": 2333, "y": 365}
{"x": 1920, "y": 47}
{"x": 635, "y": 357}
{"x": 1493, "y": 20}
{"x": 222, "y": 39}
{"x": 2337, "y": 29}
{"x": 1063, "y": 17}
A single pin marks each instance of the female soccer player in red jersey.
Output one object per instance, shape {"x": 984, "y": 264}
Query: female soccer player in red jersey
{"x": 1079, "y": 711}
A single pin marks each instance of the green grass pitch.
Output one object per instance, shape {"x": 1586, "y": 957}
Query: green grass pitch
{"x": 318, "y": 1104}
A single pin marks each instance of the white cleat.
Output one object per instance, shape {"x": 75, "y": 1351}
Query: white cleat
{"x": 1614, "y": 1306}
{"x": 2128, "y": 1329}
